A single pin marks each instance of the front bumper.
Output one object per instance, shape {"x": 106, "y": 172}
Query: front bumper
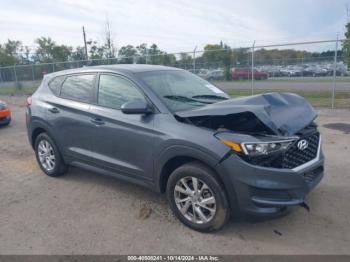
{"x": 5, "y": 117}
{"x": 267, "y": 191}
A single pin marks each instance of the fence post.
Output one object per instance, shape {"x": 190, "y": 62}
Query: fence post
{"x": 252, "y": 73}
{"x": 14, "y": 70}
{"x": 33, "y": 76}
{"x": 194, "y": 60}
{"x": 302, "y": 65}
{"x": 335, "y": 71}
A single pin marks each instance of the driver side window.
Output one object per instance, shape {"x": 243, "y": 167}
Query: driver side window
{"x": 114, "y": 91}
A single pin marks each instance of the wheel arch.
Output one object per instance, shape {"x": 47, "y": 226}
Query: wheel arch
{"x": 177, "y": 156}
{"x": 36, "y": 132}
{"x": 38, "y": 127}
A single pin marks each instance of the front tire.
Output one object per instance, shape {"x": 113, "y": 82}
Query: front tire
{"x": 197, "y": 198}
{"x": 48, "y": 156}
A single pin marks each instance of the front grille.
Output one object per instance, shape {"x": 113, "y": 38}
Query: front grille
{"x": 291, "y": 158}
{"x": 294, "y": 157}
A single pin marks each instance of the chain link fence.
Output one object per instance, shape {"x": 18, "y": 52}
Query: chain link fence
{"x": 323, "y": 79}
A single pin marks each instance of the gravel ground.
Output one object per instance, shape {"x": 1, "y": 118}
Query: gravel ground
{"x": 85, "y": 213}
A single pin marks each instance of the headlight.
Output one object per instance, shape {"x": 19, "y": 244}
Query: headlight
{"x": 265, "y": 148}
{"x": 259, "y": 148}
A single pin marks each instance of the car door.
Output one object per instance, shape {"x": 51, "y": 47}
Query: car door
{"x": 122, "y": 142}
{"x": 69, "y": 115}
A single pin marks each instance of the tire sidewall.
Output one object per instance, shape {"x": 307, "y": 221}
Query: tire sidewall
{"x": 206, "y": 175}
{"x": 58, "y": 162}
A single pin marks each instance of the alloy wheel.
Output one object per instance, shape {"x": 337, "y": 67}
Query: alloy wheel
{"x": 46, "y": 155}
{"x": 195, "y": 200}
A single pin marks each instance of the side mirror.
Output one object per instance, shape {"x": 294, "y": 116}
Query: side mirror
{"x": 137, "y": 106}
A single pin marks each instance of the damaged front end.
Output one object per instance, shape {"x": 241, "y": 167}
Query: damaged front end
{"x": 263, "y": 130}
{"x": 275, "y": 155}
{"x": 281, "y": 114}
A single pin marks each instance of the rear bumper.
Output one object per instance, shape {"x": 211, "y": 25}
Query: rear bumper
{"x": 264, "y": 192}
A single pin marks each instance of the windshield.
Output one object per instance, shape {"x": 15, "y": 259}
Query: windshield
{"x": 181, "y": 90}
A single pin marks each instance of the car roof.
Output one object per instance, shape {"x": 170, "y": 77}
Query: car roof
{"x": 120, "y": 68}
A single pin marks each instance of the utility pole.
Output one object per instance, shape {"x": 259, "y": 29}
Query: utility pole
{"x": 194, "y": 60}
{"x": 86, "y": 52}
{"x": 347, "y": 12}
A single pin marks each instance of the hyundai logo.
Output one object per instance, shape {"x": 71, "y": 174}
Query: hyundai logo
{"x": 302, "y": 144}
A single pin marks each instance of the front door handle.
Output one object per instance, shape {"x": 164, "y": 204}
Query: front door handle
{"x": 97, "y": 121}
{"x": 54, "y": 110}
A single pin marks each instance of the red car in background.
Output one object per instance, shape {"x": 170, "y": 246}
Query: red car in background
{"x": 5, "y": 114}
{"x": 246, "y": 73}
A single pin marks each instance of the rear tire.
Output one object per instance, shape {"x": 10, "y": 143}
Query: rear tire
{"x": 48, "y": 156}
{"x": 209, "y": 204}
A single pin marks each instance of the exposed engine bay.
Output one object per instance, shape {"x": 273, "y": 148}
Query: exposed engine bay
{"x": 280, "y": 114}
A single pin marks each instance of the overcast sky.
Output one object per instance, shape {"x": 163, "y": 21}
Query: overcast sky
{"x": 175, "y": 25}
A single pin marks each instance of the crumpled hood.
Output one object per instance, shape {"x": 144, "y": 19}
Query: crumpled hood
{"x": 284, "y": 113}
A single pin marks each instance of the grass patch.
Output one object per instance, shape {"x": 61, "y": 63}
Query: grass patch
{"x": 318, "y": 98}
{"x": 16, "y": 91}
{"x": 292, "y": 79}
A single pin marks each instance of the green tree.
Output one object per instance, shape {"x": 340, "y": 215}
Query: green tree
{"x": 5, "y": 58}
{"x": 10, "y": 52}
{"x": 95, "y": 50}
{"x": 127, "y": 54}
{"x": 49, "y": 51}
{"x": 218, "y": 55}
{"x": 346, "y": 45}
{"x": 155, "y": 55}
{"x": 78, "y": 54}
{"x": 142, "y": 51}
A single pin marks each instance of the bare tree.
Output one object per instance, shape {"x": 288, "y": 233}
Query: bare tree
{"x": 109, "y": 40}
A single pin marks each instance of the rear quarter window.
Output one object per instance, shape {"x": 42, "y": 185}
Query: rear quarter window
{"x": 55, "y": 84}
{"x": 78, "y": 87}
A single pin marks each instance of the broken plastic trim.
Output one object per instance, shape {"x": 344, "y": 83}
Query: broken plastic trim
{"x": 304, "y": 205}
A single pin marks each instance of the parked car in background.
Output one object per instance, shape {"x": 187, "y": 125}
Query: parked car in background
{"x": 176, "y": 133}
{"x": 202, "y": 73}
{"x": 215, "y": 75}
{"x": 308, "y": 69}
{"x": 291, "y": 71}
{"x": 5, "y": 114}
{"x": 246, "y": 73}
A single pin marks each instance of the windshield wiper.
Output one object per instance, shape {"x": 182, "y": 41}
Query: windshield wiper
{"x": 185, "y": 99}
{"x": 210, "y": 97}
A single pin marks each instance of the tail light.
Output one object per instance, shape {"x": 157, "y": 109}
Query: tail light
{"x": 29, "y": 101}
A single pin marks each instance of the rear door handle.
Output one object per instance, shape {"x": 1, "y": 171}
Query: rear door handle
{"x": 54, "y": 110}
{"x": 97, "y": 121}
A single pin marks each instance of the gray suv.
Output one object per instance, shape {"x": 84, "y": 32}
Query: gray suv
{"x": 175, "y": 133}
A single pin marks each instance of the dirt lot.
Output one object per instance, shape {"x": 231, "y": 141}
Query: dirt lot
{"x": 85, "y": 213}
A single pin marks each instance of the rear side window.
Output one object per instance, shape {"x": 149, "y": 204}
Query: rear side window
{"x": 55, "y": 84}
{"x": 114, "y": 91}
{"x": 78, "y": 87}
